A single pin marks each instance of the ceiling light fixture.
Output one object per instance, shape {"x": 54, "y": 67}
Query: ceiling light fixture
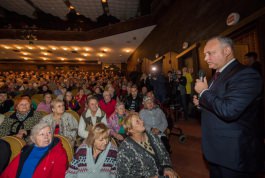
{"x": 18, "y": 47}
{"x": 6, "y": 47}
{"x": 42, "y": 48}
{"x": 24, "y": 53}
{"x": 29, "y": 47}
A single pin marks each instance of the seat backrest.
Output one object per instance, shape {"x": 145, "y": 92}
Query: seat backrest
{"x": 37, "y": 97}
{"x": 74, "y": 114}
{"x": 67, "y": 146}
{"x": 43, "y": 113}
{"x": 16, "y": 144}
{"x": 9, "y": 113}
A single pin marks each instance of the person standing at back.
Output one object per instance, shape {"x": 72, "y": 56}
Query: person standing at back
{"x": 252, "y": 61}
{"x": 232, "y": 138}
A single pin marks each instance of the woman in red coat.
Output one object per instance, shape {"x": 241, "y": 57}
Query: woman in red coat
{"x": 46, "y": 157}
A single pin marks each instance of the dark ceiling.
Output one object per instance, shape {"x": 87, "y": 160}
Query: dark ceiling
{"x": 69, "y": 15}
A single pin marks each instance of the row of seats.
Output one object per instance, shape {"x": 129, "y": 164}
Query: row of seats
{"x": 16, "y": 144}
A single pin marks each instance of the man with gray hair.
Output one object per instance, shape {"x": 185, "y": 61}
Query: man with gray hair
{"x": 232, "y": 139}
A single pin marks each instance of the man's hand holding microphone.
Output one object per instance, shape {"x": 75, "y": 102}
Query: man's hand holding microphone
{"x": 200, "y": 85}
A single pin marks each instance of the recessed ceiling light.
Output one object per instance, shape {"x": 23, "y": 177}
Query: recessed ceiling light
{"x": 87, "y": 49}
{"x": 54, "y": 48}
{"x": 100, "y": 54}
{"x": 127, "y": 50}
{"x": 85, "y": 54}
{"x": 45, "y": 54}
{"x": 62, "y": 59}
{"x": 76, "y": 49}
{"x": 42, "y": 47}
{"x": 6, "y": 47}
{"x": 25, "y": 58}
{"x": 44, "y": 58}
{"x": 18, "y": 47}
{"x": 65, "y": 48}
{"x": 25, "y": 53}
{"x": 30, "y": 47}
{"x": 80, "y": 59}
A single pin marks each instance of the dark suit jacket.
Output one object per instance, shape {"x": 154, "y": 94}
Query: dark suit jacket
{"x": 231, "y": 120}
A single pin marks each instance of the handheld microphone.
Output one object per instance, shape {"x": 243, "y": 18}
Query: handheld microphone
{"x": 201, "y": 75}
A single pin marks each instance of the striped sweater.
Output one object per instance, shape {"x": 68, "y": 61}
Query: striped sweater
{"x": 83, "y": 165}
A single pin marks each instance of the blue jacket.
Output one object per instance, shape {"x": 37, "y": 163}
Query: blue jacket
{"x": 232, "y": 121}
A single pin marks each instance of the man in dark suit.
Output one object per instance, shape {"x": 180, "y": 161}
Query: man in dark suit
{"x": 232, "y": 139}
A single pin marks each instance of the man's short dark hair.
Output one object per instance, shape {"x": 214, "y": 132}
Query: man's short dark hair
{"x": 252, "y": 54}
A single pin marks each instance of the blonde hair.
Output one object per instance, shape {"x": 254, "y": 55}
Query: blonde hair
{"x": 127, "y": 122}
{"x": 95, "y": 132}
{"x": 55, "y": 101}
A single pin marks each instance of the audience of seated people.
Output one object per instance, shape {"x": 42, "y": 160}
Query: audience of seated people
{"x": 82, "y": 92}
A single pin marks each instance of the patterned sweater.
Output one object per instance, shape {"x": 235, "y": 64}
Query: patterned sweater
{"x": 68, "y": 126}
{"x": 84, "y": 166}
{"x": 134, "y": 161}
{"x": 12, "y": 125}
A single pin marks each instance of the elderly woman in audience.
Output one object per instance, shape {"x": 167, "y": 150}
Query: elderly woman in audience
{"x": 115, "y": 122}
{"x": 62, "y": 123}
{"x": 21, "y": 121}
{"x": 45, "y": 105}
{"x": 142, "y": 154}
{"x": 96, "y": 158}
{"x": 107, "y": 104}
{"x": 81, "y": 99}
{"x": 154, "y": 120}
{"x": 44, "y": 158}
{"x": 70, "y": 102}
{"x": 92, "y": 116}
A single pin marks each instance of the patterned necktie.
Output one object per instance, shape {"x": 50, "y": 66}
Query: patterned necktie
{"x": 216, "y": 75}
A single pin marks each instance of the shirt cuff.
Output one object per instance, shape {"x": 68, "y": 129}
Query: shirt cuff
{"x": 202, "y": 92}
